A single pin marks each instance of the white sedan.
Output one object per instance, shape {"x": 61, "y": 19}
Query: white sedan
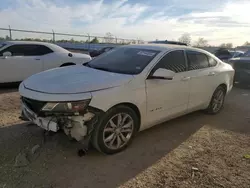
{"x": 20, "y": 59}
{"x": 126, "y": 90}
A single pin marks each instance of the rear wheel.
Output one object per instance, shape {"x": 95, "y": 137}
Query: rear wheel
{"x": 116, "y": 130}
{"x": 217, "y": 101}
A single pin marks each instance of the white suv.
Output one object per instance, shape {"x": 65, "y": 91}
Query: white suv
{"x": 21, "y": 59}
{"x": 126, "y": 90}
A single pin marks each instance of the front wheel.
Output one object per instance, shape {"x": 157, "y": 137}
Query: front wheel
{"x": 217, "y": 101}
{"x": 116, "y": 130}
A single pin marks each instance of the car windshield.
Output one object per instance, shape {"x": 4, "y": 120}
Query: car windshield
{"x": 124, "y": 60}
{"x": 246, "y": 54}
{"x": 2, "y": 45}
{"x": 237, "y": 54}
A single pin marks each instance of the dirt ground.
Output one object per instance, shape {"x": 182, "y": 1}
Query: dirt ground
{"x": 196, "y": 150}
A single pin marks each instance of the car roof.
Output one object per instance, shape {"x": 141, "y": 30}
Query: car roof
{"x": 54, "y": 47}
{"x": 162, "y": 47}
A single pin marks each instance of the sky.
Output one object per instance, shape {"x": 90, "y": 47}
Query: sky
{"x": 218, "y": 21}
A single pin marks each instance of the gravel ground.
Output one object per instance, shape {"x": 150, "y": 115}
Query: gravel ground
{"x": 210, "y": 158}
{"x": 9, "y": 107}
{"x": 162, "y": 156}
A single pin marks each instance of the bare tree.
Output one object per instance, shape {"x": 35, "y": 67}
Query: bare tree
{"x": 246, "y": 43}
{"x": 94, "y": 40}
{"x": 141, "y": 42}
{"x": 133, "y": 41}
{"x": 185, "y": 38}
{"x": 226, "y": 45}
{"x": 201, "y": 42}
{"x": 109, "y": 38}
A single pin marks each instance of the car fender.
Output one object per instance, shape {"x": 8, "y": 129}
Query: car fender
{"x": 108, "y": 98}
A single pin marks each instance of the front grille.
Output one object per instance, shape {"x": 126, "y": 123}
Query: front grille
{"x": 33, "y": 105}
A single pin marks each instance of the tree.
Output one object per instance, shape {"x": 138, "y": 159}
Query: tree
{"x": 226, "y": 45}
{"x": 140, "y": 41}
{"x": 72, "y": 40}
{"x": 201, "y": 42}
{"x": 185, "y": 38}
{"x": 246, "y": 43}
{"x": 94, "y": 40}
{"x": 133, "y": 42}
{"x": 109, "y": 38}
{"x": 7, "y": 37}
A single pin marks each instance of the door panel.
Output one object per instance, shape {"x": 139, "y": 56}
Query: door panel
{"x": 202, "y": 78}
{"x": 200, "y": 89}
{"x": 18, "y": 68}
{"x": 26, "y": 60}
{"x": 168, "y": 98}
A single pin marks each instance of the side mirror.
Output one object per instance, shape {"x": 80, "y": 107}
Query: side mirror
{"x": 7, "y": 54}
{"x": 163, "y": 74}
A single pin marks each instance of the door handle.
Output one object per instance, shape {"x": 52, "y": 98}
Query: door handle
{"x": 211, "y": 73}
{"x": 37, "y": 59}
{"x": 185, "y": 78}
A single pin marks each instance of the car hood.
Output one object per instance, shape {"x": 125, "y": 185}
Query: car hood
{"x": 74, "y": 79}
{"x": 240, "y": 59}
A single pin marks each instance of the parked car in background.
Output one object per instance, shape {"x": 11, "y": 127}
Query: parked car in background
{"x": 20, "y": 59}
{"x": 241, "y": 66}
{"x": 167, "y": 42}
{"x": 225, "y": 54}
{"x": 96, "y": 53}
{"x": 126, "y": 90}
{"x": 237, "y": 54}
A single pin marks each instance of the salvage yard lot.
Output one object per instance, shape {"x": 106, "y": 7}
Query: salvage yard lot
{"x": 196, "y": 150}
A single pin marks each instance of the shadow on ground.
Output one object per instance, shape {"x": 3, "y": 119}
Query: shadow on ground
{"x": 8, "y": 87}
{"x": 59, "y": 166}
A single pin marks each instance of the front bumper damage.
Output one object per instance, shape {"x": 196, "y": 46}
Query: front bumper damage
{"x": 78, "y": 127}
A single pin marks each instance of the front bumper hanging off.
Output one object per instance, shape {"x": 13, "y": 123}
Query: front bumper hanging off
{"x": 45, "y": 123}
{"x": 78, "y": 127}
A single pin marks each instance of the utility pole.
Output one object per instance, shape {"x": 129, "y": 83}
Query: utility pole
{"x": 10, "y": 33}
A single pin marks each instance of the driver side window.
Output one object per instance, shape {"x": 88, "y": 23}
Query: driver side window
{"x": 15, "y": 50}
{"x": 27, "y": 50}
{"x": 174, "y": 61}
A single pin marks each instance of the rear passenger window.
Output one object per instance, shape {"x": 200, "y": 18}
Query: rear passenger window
{"x": 212, "y": 61}
{"x": 197, "y": 60}
{"x": 174, "y": 61}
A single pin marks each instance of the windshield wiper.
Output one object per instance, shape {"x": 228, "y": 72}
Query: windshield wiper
{"x": 98, "y": 68}
{"x": 86, "y": 64}
{"x": 101, "y": 68}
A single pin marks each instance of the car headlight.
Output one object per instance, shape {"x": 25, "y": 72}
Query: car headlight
{"x": 75, "y": 106}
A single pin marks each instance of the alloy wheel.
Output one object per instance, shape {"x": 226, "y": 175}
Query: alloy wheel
{"x": 118, "y": 131}
{"x": 218, "y": 100}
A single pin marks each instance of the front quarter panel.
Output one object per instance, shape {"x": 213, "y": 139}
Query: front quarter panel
{"x": 132, "y": 92}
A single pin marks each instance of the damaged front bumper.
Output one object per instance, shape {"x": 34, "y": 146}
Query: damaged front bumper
{"x": 45, "y": 123}
{"x": 78, "y": 127}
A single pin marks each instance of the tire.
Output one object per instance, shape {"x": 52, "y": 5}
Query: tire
{"x": 217, "y": 101}
{"x": 106, "y": 130}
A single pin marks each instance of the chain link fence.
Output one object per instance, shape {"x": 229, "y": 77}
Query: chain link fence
{"x": 66, "y": 40}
